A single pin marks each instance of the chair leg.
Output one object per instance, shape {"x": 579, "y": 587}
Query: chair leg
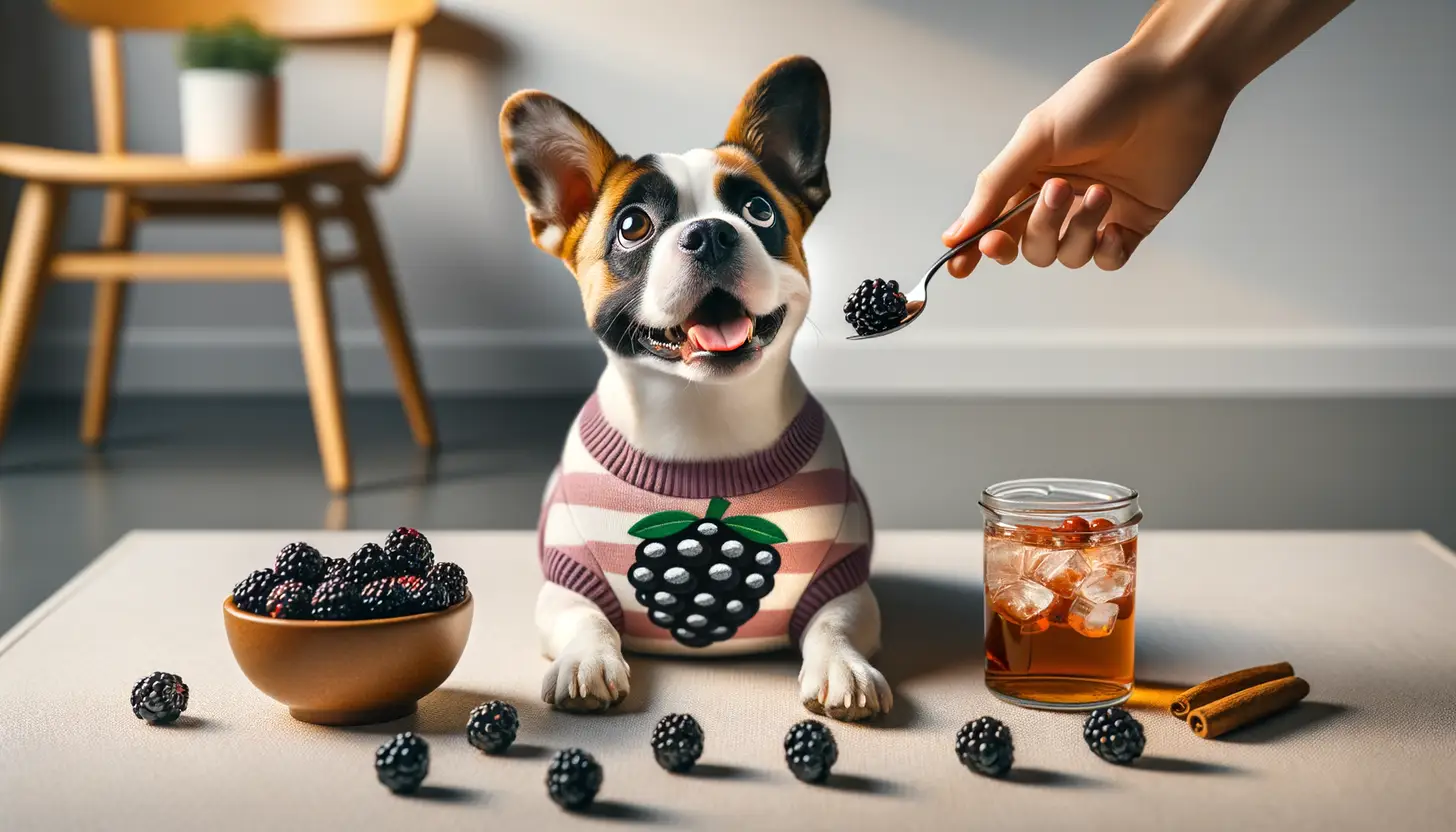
{"x": 108, "y": 307}
{"x": 32, "y": 242}
{"x": 311, "y": 308}
{"x": 387, "y": 309}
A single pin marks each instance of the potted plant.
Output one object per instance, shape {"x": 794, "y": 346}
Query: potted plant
{"x": 229, "y": 92}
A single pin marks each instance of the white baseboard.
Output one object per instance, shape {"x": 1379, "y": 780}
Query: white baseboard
{"x": 1022, "y": 362}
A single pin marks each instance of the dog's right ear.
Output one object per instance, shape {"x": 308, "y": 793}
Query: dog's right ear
{"x": 557, "y": 160}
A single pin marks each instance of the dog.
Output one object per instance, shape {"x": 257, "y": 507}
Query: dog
{"x": 703, "y": 504}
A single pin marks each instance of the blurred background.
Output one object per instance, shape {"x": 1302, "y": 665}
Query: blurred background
{"x": 1281, "y": 354}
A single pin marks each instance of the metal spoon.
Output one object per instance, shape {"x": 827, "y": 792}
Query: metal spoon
{"x": 915, "y": 298}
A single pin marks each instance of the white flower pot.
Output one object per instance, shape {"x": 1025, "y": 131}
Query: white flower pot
{"x": 227, "y": 113}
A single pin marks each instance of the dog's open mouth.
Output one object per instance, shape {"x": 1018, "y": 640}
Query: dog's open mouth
{"x": 719, "y": 328}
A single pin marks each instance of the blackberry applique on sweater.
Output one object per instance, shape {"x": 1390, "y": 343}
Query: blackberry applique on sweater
{"x": 701, "y": 578}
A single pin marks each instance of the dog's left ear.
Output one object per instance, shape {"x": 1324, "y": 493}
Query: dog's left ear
{"x": 784, "y": 121}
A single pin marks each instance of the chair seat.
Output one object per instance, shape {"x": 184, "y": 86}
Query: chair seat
{"x": 70, "y": 167}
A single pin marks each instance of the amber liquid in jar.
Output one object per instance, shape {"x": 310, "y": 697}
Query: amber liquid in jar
{"x": 1061, "y": 598}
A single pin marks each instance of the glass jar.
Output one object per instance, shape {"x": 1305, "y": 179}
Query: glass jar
{"x": 1061, "y": 588}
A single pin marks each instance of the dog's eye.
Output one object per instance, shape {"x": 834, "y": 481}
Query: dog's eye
{"x": 759, "y": 212}
{"x": 633, "y": 227}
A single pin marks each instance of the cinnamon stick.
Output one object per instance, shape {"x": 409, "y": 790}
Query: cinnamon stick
{"x": 1247, "y": 706}
{"x": 1226, "y": 685}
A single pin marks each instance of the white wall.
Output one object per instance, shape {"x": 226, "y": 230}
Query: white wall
{"x": 1308, "y": 258}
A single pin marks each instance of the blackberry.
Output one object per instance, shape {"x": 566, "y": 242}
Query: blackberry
{"x": 810, "y": 751}
{"x": 984, "y": 746}
{"x": 421, "y": 595}
{"x": 335, "y": 600}
{"x": 452, "y": 578}
{"x": 1114, "y": 735}
{"x": 300, "y": 562}
{"x": 251, "y": 593}
{"x": 875, "y": 306}
{"x": 367, "y": 565}
{"x": 701, "y": 578}
{"x": 573, "y": 779}
{"x": 382, "y": 599}
{"x": 289, "y": 599}
{"x": 159, "y": 698}
{"x": 492, "y": 727}
{"x": 334, "y": 568}
{"x": 409, "y": 551}
{"x": 677, "y": 742}
{"x": 403, "y": 762}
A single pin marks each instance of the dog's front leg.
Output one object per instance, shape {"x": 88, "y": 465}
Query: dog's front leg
{"x": 836, "y": 679}
{"x": 587, "y": 671}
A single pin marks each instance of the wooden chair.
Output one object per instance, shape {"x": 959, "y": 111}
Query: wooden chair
{"x": 216, "y": 190}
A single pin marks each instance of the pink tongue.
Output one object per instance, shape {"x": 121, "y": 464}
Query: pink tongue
{"x": 724, "y": 337}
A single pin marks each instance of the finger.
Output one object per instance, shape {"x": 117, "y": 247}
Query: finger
{"x": 999, "y": 246}
{"x": 1044, "y": 226}
{"x": 962, "y": 264}
{"x": 1112, "y": 250}
{"x": 1008, "y": 173}
{"x": 1080, "y": 238}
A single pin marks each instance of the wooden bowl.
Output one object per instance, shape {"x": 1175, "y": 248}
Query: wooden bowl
{"x": 348, "y": 672}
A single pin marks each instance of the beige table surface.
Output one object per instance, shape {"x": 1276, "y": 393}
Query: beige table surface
{"x": 1368, "y": 619}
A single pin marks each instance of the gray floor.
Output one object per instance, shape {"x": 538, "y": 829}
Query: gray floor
{"x": 242, "y": 464}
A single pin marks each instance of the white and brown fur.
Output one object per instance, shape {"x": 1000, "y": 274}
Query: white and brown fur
{"x": 577, "y": 190}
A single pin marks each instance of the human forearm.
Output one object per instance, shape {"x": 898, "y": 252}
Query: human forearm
{"x": 1228, "y": 43}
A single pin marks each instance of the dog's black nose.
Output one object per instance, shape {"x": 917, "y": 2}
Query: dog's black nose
{"x": 710, "y": 242}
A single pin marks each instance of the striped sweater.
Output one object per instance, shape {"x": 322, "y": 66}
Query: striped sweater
{"x": 796, "y": 534}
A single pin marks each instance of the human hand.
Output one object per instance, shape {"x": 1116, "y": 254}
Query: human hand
{"x": 1112, "y": 152}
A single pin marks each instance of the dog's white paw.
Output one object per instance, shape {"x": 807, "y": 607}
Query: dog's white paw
{"x": 591, "y": 678}
{"x": 842, "y": 685}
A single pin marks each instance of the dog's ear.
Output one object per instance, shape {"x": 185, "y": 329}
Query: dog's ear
{"x": 784, "y": 121}
{"x": 557, "y": 160}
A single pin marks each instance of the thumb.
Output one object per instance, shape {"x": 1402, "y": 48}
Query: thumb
{"x": 1013, "y": 168}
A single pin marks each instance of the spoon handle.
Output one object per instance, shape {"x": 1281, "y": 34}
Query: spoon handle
{"x": 974, "y": 238}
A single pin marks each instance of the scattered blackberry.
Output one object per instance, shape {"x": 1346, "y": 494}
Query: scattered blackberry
{"x": 159, "y": 698}
{"x": 334, "y": 568}
{"x": 300, "y": 562}
{"x": 382, "y": 599}
{"x": 702, "y": 578}
{"x": 452, "y": 578}
{"x": 492, "y": 727}
{"x": 573, "y": 779}
{"x": 367, "y": 565}
{"x": 410, "y": 556}
{"x": 403, "y": 762}
{"x": 251, "y": 593}
{"x": 810, "y": 751}
{"x": 677, "y": 742}
{"x": 875, "y": 306}
{"x": 289, "y": 599}
{"x": 1114, "y": 735}
{"x": 421, "y": 595}
{"x": 984, "y": 746}
{"x": 335, "y": 600}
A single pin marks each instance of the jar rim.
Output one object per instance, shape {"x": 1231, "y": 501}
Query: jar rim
{"x": 1057, "y": 494}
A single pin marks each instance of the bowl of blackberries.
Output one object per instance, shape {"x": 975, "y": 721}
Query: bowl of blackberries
{"x": 351, "y": 641}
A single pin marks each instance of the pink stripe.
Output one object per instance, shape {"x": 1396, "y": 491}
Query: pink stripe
{"x": 702, "y": 480}
{"x": 843, "y": 577}
{"x": 825, "y": 487}
{"x": 798, "y": 558}
{"x": 767, "y": 623}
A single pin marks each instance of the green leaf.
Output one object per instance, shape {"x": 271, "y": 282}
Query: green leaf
{"x": 661, "y": 524}
{"x": 756, "y": 529}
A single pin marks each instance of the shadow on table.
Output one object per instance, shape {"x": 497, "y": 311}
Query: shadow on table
{"x": 929, "y": 627}
{"x": 864, "y": 785}
{"x": 450, "y": 794}
{"x": 629, "y": 812}
{"x": 445, "y": 712}
{"x": 1053, "y": 779}
{"x": 1301, "y": 717}
{"x": 1174, "y": 765}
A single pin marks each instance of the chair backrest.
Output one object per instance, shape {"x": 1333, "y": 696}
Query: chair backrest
{"x": 289, "y": 19}
{"x": 296, "y": 19}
